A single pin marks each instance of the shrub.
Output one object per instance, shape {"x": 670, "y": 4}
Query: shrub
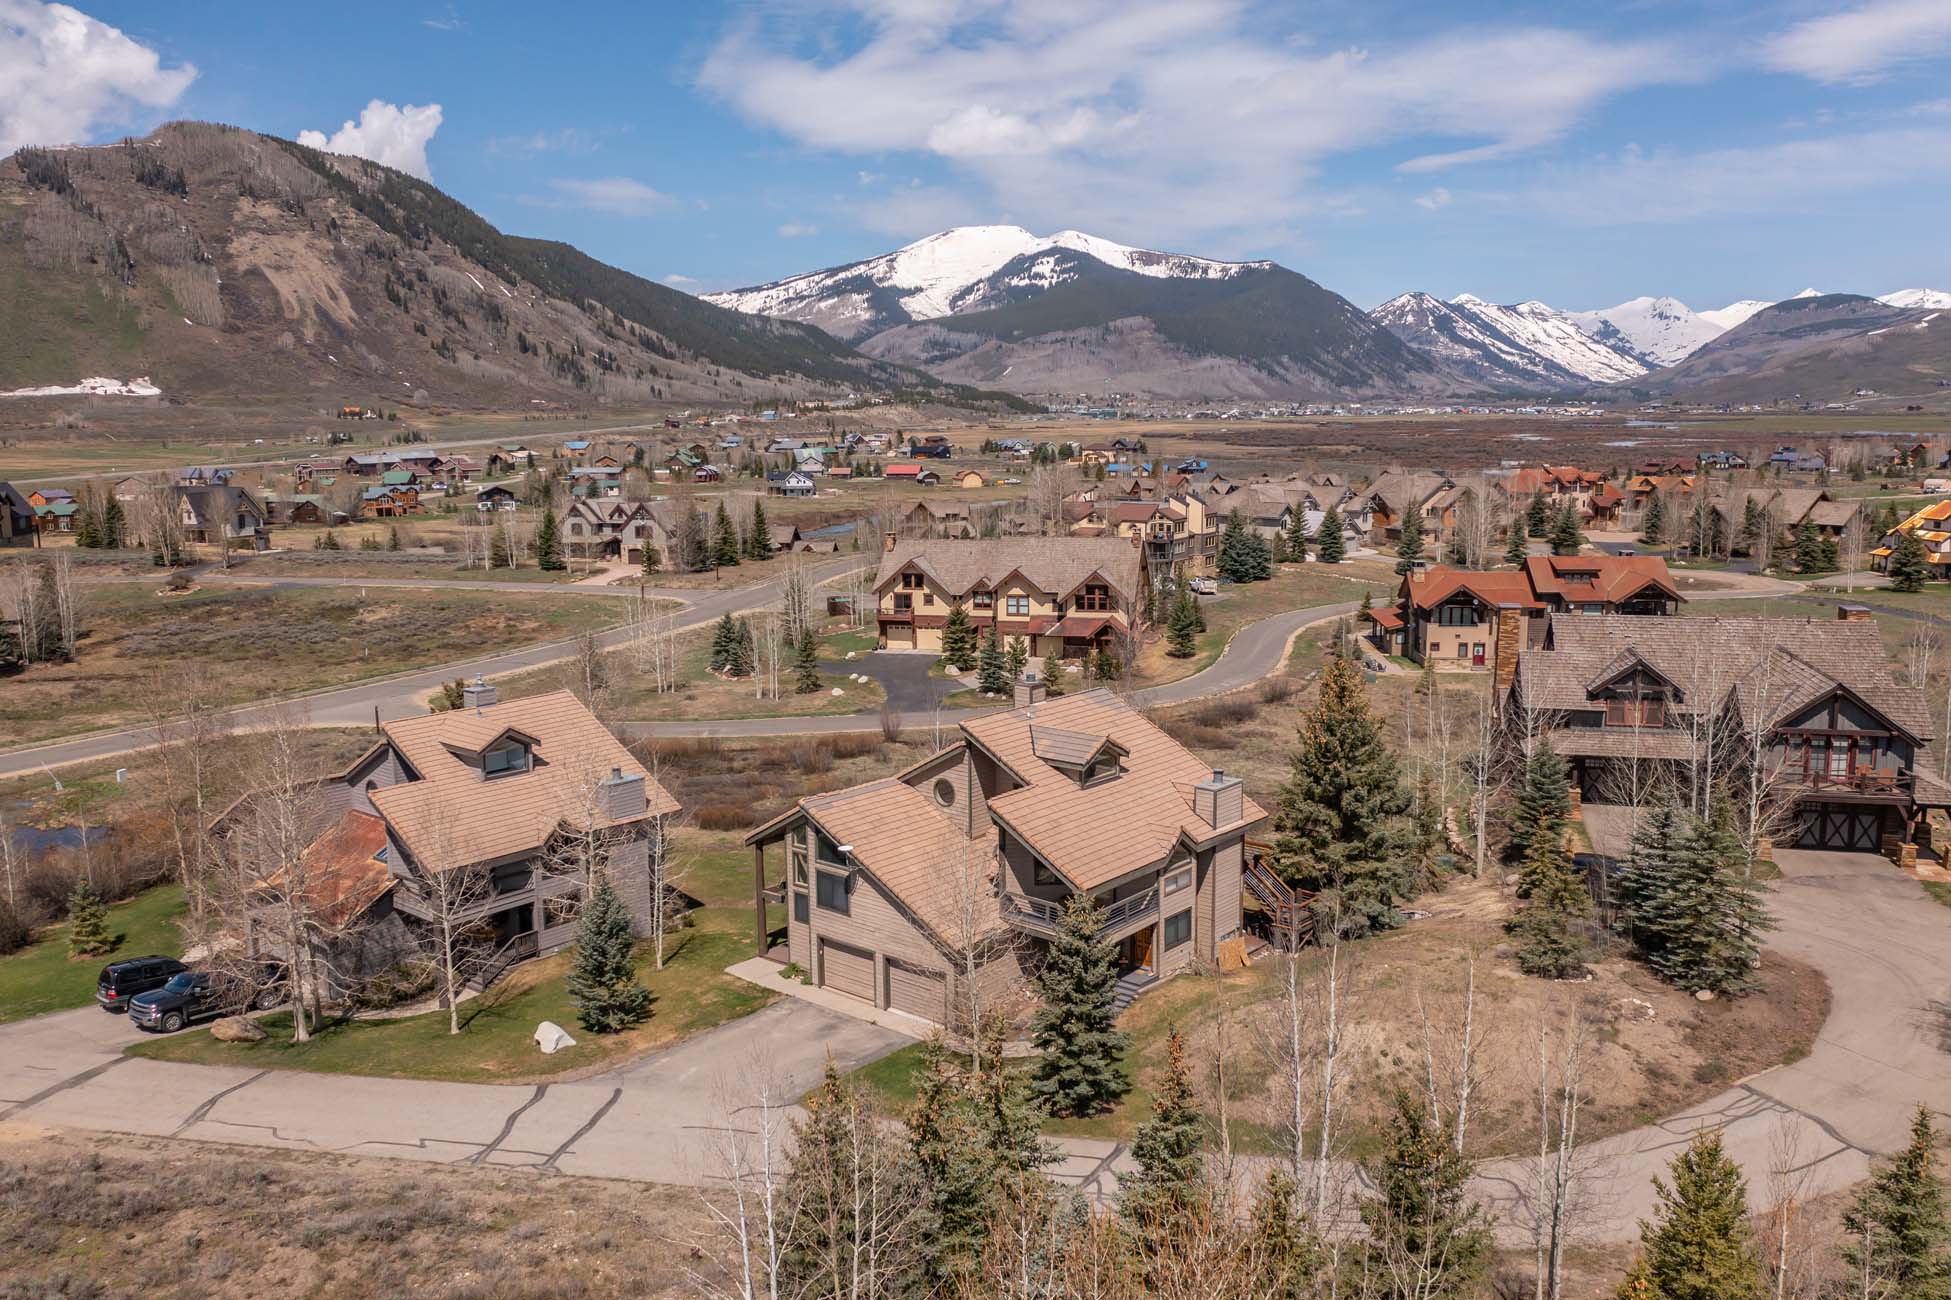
{"x": 1278, "y": 690}
{"x": 724, "y": 817}
{"x": 1227, "y": 711}
{"x": 811, "y": 756}
{"x": 1200, "y": 736}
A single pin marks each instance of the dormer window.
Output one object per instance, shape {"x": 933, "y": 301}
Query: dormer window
{"x": 1640, "y": 711}
{"x": 505, "y": 760}
{"x": 1096, "y": 598}
{"x": 911, "y": 581}
{"x": 1100, "y": 769}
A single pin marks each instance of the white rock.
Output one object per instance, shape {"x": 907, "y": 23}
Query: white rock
{"x": 839, "y": 690}
{"x": 850, "y": 655}
{"x": 552, "y": 1038}
{"x": 951, "y": 671}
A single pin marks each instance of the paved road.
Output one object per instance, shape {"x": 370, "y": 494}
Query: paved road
{"x": 1868, "y": 928}
{"x": 400, "y": 695}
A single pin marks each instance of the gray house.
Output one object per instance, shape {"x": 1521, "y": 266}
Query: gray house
{"x": 16, "y": 518}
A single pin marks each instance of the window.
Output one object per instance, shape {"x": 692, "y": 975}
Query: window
{"x": 832, "y": 891}
{"x": 1017, "y": 606}
{"x": 1464, "y": 615}
{"x": 799, "y": 907}
{"x": 557, "y": 911}
{"x": 826, "y": 850}
{"x": 913, "y": 582}
{"x": 796, "y": 852}
{"x": 1178, "y": 929}
{"x": 1101, "y": 768}
{"x": 1178, "y": 880}
{"x": 927, "y": 597}
{"x": 1043, "y": 875}
{"x": 945, "y": 792}
{"x": 1096, "y": 598}
{"x": 903, "y": 602}
{"x": 507, "y": 759}
{"x": 985, "y": 600}
{"x": 1463, "y": 649}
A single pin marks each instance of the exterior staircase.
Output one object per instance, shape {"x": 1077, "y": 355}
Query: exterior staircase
{"x": 518, "y": 949}
{"x": 1287, "y": 908}
{"x": 1130, "y": 985}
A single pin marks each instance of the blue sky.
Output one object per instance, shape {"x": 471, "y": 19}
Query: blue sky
{"x": 1580, "y": 154}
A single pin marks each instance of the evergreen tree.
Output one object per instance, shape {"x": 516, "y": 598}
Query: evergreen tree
{"x": 1909, "y": 563}
{"x": 1652, "y": 529}
{"x": 1516, "y": 546}
{"x": 1423, "y": 1228}
{"x": 1550, "y": 927}
{"x": 548, "y": 542}
{"x": 847, "y": 1182}
{"x": 1052, "y": 673}
{"x": 1076, "y": 1029}
{"x": 724, "y": 539}
{"x": 1104, "y": 665}
{"x": 653, "y": 561}
{"x": 1706, "y": 925}
{"x": 1409, "y": 551}
{"x": 1808, "y": 548}
{"x": 500, "y": 554}
{"x": 806, "y": 662}
{"x": 1337, "y": 821}
{"x": 88, "y": 934}
{"x": 1182, "y": 628}
{"x": 1260, "y": 557}
{"x": 1294, "y": 541}
{"x": 759, "y": 546}
{"x": 726, "y": 643}
{"x": 1698, "y": 1246}
{"x": 603, "y": 976}
{"x": 1289, "y": 1260}
{"x": 954, "y": 1161}
{"x": 1544, "y": 799}
{"x": 992, "y": 670}
{"x": 693, "y": 550}
{"x": 115, "y": 524}
{"x": 1754, "y": 521}
{"x": 1899, "y": 1237}
{"x": 1537, "y": 515}
{"x": 1016, "y": 657}
{"x": 1647, "y": 877}
{"x": 1566, "y": 539}
{"x": 1237, "y": 562}
{"x": 1171, "y": 1178}
{"x": 393, "y": 538}
{"x": 959, "y": 639}
{"x": 1829, "y": 555}
{"x": 1329, "y": 545}
{"x": 86, "y": 525}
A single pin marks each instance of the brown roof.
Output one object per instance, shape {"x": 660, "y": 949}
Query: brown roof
{"x": 912, "y": 847}
{"x": 1616, "y": 577}
{"x": 1096, "y": 834}
{"x": 342, "y": 869}
{"x": 1495, "y": 587}
{"x": 452, "y": 815}
{"x": 1058, "y": 565}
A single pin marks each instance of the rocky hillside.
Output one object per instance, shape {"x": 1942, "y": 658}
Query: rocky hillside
{"x": 227, "y": 265}
{"x": 1818, "y": 348}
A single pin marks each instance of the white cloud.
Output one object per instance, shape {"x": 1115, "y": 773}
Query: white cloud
{"x": 451, "y": 21}
{"x": 392, "y": 135}
{"x": 63, "y": 75}
{"x": 568, "y": 139}
{"x": 679, "y": 281}
{"x": 797, "y": 230}
{"x": 1436, "y": 198}
{"x": 1862, "y": 44}
{"x": 1158, "y": 119}
{"x": 618, "y": 195}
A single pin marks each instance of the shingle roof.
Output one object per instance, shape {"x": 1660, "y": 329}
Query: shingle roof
{"x": 1616, "y": 576}
{"x": 1496, "y": 587}
{"x": 1096, "y": 834}
{"x": 899, "y": 834}
{"x": 1055, "y": 564}
{"x": 343, "y": 871}
{"x": 453, "y": 815}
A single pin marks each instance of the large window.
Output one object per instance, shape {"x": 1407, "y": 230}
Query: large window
{"x": 1178, "y": 929}
{"x": 1456, "y": 615}
{"x": 985, "y": 600}
{"x": 1096, "y": 598}
{"x": 1017, "y": 606}
{"x": 1177, "y": 881}
{"x": 903, "y": 602}
{"x": 913, "y": 581}
{"x": 832, "y": 892}
{"x": 506, "y": 759}
{"x": 796, "y": 853}
{"x": 826, "y": 850}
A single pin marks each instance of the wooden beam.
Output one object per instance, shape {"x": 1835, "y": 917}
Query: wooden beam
{"x": 758, "y": 894}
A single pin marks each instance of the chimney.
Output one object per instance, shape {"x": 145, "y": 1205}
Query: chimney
{"x": 887, "y": 540}
{"x": 1507, "y": 643}
{"x": 624, "y": 797}
{"x": 1854, "y": 613}
{"x": 477, "y": 694}
{"x": 1029, "y": 690}
{"x": 1219, "y": 801}
{"x": 1418, "y": 572}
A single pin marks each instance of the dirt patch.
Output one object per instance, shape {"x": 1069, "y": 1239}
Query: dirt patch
{"x": 88, "y": 1215}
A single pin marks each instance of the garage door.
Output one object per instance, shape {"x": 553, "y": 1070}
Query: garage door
{"x": 847, "y": 969}
{"x": 899, "y": 636}
{"x": 915, "y": 991}
{"x": 1849, "y": 830}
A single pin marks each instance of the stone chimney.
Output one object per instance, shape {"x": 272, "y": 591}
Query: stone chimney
{"x": 1854, "y": 614}
{"x": 624, "y": 797}
{"x": 477, "y": 694}
{"x": 888, "y": 539}
{"x": 1220, "y": 801}
{"x": 1029, "y": 689}
{"x": 1508, "y": 641}
{"x": 1418, "y": 572}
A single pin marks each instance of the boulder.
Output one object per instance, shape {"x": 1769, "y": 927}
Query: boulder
{"x": 552, "y": 1038}
{"x": 237, "y": 1029}
{"x": 838, "y": 691}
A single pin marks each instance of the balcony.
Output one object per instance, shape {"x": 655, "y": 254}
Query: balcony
{"x": 1867, "y": 783}
{"x": 1045, "y": 916}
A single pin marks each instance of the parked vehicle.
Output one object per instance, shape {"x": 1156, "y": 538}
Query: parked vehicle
{"x": 194, "y": 995}
{"x": 1204, "y": 587}
{"x": 122, "y": 980}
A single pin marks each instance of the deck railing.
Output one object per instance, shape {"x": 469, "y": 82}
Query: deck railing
{"x": 1046, "y": 915}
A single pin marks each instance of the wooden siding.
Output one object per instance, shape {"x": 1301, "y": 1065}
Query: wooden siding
{"x": 847, "y": 969}
{"x": 917, "y": 991}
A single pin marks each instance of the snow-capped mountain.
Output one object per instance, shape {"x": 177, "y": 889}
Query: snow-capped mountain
{"x": 951, "y": 273}
{"x": 1933, "y": 299}
{"x": 1726, "y": 318}
{"x": 1659, "y": 331}
{"x": 1557, "y": 337}
{"x": 1468, "y": 346}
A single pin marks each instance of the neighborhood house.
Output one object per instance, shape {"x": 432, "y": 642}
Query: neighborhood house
{"x": 1068, "y": 596}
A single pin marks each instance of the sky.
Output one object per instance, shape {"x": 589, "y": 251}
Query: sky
{"x": 1712, "y": 150}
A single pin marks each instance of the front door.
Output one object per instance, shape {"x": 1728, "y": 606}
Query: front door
{"x": 1141, "y": 950}
{"x": 1477, "y": 654}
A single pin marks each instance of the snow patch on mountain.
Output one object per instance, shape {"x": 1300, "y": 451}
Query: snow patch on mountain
{"x": 1726, "y": 318}
{"x": 1918, "y": 299}
{"x": 1555, "y": 336}
{"x": 1658, "y": 331}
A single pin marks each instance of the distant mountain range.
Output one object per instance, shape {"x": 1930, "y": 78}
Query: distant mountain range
{"x": 998, "y": 306}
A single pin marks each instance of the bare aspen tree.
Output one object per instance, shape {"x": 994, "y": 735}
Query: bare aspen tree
{"x": 67, "y": 601}
{"x": 271, "y": 870}
{"x": 1790, "y": 1252}
{"x": 10, "y": 865}
{"x": 21, "y": 593}
{"x": 1331, "y": 990}
{"x": 751, "y": 1215}
{"x": 769, "y": 652}
{"x": 1564, "y": 1041}
{"x": 1050, "y": 489}
{"x": 666, "y": 869}
{"x": 592, "y": 673}
{"x": 796, "y": 599}
{"x": 190, "y": 751}
{"x": 453, "y": 893}
{"x": 1452, "y": 1040}
{"x": 1486, "y": 772}
{"x": 1854, "y": 542}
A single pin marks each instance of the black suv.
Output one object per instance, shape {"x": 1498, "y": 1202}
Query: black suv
{"x": 189, "y": 995}
{"x": 122, "y": 980}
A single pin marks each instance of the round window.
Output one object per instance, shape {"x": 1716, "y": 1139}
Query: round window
{"x": 945, "y": 793}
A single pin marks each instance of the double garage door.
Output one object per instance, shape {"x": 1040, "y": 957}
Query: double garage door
{"x": 1840, "y": 827}
{"x": 911, "y": 989}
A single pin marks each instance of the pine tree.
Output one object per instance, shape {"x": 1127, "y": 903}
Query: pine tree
{"x": 1289, "y": 1259}
{"x": 1808, "y": 548}
{"x": 1338, "y": 819}
{"x": 1516, "y": 546}
{"x": 1702, "y": 927}
{"x": 500, "y": 554}
{"x": 724, "y": 539}
{"x": 1052, "y": 673}
{"x": 744, "y": 650}
{"x": 1329, "y": 545}
{"x": 1260, "y": 557}
{"x": 1104, "y": 665}
{"x": 1236, "y": 562}
{"x": 760, "y": 534}
{"x": 1652, "y": 529}
{"x": 953, "y": 1160}
{"x": 1898, "y": 1233}
{"x": 992, "y": 670}
{"x": 1566, "y": 539}
{"x": 1544, "y": 799}
{"x": 653, "y": 561}
{"x": 1698, "y": 1246}
{"x": 115, "y": 524}
{"x": 1753, "y": 522}
{"x": 88, "y": 934}
{"x": 548, "y": 542}
{"x": 1639, "y": 1282}
{"x": 1909, "y": 563}
{"x": 1647, "y": 877}
{"x": 1422, "y": 1225}
{"x": 1537, "y": 515}
{"x": 1550, "y": 927}
{"x": 1182, "y": 628}
{"x": 959, "y": 639}
{"x": 1294, "y": 541}
{"x": 603, "y": 977}
{"x": 1409, "y": 551}
{"x": 806, "y": 662}
{"x": 1076, "y": 1029}
{"x": 393, "y": 538}
{"x": 1171, "y": 1178}
{"x": 847, "y": 1182}
{"x": 725, "y": 645}
{"x": 1016, "y": 657}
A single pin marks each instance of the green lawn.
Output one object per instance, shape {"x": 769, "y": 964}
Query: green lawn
{"x": 1939, "y": 889}
{"x": 691, "y": 993}
{"x": 42, "y": 977}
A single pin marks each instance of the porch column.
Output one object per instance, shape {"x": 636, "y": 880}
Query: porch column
{"x": 758, "y": 895}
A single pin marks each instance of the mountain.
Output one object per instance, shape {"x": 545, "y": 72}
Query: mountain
{"x": 1929, "y": 299}
{"x": 1657, "y": 331}
{"x": 221, "y": 263}
{"x": 1471, "y": 348}
{"x": 1726, "y": 318}
{"x": 999, "y": 307}
{"x": 1823, "y": 347}
{"x": 956, "y": 271}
